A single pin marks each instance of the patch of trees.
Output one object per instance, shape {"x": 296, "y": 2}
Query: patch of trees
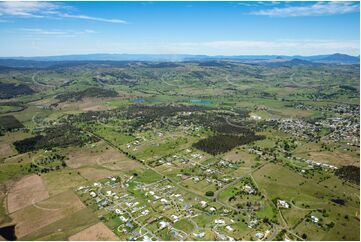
{"x": 228, "y": 129}
{"x": 90, "y": 92}
{"x": 209, "y": 193}
{"x": 222, "y": 143}
{"x": 60, "y": 136}
{"x": 199, "y": 74}
{"x": 16, "y": 106}
{"x": 10, "y": 90}
{"x": 9, "y": 122}
{"x": 52, "y": 162}
{"x": 94, "y": 116}
{"x": 348, "y": 88}
{"x": 144, "y": 114}
{"x": 162, "y": 65}
{"x": 213, "y": 64}
{"x": 349, "y": 173}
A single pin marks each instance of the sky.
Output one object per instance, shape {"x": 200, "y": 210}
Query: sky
{"x": 211, "y": 28}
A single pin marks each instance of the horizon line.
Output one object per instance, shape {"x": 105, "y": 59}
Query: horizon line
{"x": 178, "y": 54}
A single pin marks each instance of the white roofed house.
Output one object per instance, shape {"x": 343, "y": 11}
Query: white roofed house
{"x": 282, "y": 204}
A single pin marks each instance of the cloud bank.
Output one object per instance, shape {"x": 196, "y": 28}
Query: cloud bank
{"x": 316, "y": 9}
{"x": 47, "y": 10}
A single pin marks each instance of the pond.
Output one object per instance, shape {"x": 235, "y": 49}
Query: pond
{"x": 8, "y": 232}
{"x": 338, "y": 201}
{"x": 138, "y": 101}
{"x": 200, "y": 101}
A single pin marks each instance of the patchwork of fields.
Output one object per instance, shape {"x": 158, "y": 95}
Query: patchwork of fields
{"x": 187, "y": 151}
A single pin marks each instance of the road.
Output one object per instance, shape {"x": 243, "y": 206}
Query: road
{"x": 38, "y": 83}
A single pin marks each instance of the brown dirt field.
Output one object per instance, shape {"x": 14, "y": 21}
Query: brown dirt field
{"x": 28, "y": 190}
{"x": 94, "y": 233}
{"x": 101, "y": 156}
{"x": 17, "y": 158}
{"x": 41, "y": 214}
{"x": 62, "y": 180}
{"x": 87, "y": 104}
{"x": 6, "y": 150}
{"x": 241, "y": 155}
{"x": 96, "y": 173}
{"x": 334, "y": 158}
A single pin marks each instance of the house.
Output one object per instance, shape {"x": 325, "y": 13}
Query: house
{"x": 229, "y": 228}
{"x": 203, "y": 204}
{"x": 199, "y": 235}
{"x": 93, "y": 194}
{"x": 175, "y": 218}
{"x": 219, "y": 221}
{"x": 252, "y": 224}
{"x": 129, "y": 225}
{"x": 146, "y": 238}
{"x": 123, "y": 219}
{"x": 163, "y": 224}
{"x": 174, "y": 232}
{"x": 283, "y": 204}
{"x": 196, "y": 179}
{"x": 212, "y": 209}
{"x": 259, "y": 235}
{"x": 248, "y": 189}
{"x": 314, "y": 219}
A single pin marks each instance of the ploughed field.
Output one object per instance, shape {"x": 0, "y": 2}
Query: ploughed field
{"x": 210, "y": 150}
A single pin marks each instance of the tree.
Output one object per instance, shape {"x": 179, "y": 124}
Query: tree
{"x": 209, "y": 193}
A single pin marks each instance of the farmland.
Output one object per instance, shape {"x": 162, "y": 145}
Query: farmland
{"x": 196, "y": 150}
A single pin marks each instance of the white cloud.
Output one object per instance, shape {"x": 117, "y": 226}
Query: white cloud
{"x": 85, "y": 17}
{"x": 26, "y": 9}
{"x": 316, "y": 9}
{"x": 55, "y": 32}
{"x": 46, "y": 10}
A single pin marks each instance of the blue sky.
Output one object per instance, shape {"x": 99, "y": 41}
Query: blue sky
{"x": 213, "y": 28}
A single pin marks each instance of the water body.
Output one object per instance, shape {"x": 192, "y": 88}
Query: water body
{"x": 8, "y": 232}
{"x": 200, "y": 101}
{"x": 338, "y": 201}
{"x": 138, "y": 101}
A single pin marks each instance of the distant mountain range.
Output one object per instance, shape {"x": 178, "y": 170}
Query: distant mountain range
{"x": 40, "y": 61}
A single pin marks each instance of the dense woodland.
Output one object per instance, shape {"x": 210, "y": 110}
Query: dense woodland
{"x": 349, "y": 173}
{"x": 60, "y": 136}
{"x": 10, "y": 90}
{"x": 222, "y": 143}
{"x": 9, "y": 122}
{"x": 90, "y": 92}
